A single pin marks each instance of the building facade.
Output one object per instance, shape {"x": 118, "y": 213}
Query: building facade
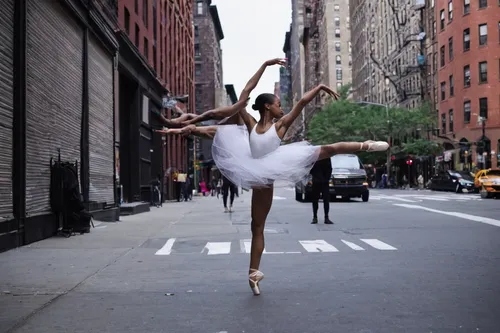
{"x": 156, "y": 37}
{"x": 209, "y": 88}
{"x": 50, "y": 109}
{"x": 468, "y": 34}
{"x": 388, "y": 42}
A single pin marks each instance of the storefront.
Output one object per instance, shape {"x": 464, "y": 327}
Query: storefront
{"x": 62, "y": 61}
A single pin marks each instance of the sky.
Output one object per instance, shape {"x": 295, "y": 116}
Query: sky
{"x": 254, "y": 31}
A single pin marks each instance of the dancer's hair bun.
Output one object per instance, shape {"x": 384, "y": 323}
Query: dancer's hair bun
{"x": 255, "y": 107}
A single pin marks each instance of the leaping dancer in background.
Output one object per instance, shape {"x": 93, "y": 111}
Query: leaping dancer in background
{"x": 249, "y": 153}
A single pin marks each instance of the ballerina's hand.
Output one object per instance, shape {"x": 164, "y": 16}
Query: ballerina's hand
{"x": 277, "y": 61}
{"x": 331, "y": 92}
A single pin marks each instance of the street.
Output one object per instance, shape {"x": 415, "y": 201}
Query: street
{"x": 406, "y": 261}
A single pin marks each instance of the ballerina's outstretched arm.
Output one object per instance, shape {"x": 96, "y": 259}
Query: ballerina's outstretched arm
{"x": 206, "y": 132}
{"x": 286, "y": 121}
{"x": 222, "y": 113}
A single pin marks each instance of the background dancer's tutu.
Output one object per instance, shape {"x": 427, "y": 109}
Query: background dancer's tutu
{"x": 288, "y": 164}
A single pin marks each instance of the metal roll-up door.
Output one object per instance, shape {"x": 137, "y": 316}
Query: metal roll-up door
{"x": 101, "y": 162}
{"x": 54, "y": 96}
{"x": 6, "y": 105}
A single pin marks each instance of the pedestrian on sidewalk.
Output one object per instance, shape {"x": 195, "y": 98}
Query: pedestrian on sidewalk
{"x": 228, "y": 188}
{"x": 321, "y": 173}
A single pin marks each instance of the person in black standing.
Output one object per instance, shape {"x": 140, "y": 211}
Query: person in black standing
{"x": 228, "y": 188}
{"x": 321, "y": 173}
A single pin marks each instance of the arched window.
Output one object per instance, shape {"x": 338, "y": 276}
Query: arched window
{"x": 338, "y": 60}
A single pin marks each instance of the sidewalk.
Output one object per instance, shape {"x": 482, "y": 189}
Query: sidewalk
{"x": 37, "y": 274}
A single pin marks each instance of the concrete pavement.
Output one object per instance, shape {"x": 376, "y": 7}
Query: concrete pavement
{"x": 384, "y": 266}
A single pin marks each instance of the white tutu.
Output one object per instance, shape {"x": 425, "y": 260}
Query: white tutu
{"x": 288, "y": 164}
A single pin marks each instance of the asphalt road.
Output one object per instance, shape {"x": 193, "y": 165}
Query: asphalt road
{"x": 406, "y": 261}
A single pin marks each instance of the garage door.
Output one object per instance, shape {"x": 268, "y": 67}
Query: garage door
{"x": 101, "y": 116}
{"x": 54, "y": 96}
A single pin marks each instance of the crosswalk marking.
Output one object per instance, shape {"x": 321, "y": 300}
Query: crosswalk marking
{"x": 167, "y": 248}
{"x": 310, "y": 246}
{"x": 413, "y": 198}
{"x": 352, "y": 245}
{"x": 318, "y": 245}
{"x": 378, "y": 244}
{"x": 217, "y": 248}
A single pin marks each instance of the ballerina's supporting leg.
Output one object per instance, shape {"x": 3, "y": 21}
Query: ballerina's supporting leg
{"x": 262, "y": 200}
{"x": 328, "y": 151}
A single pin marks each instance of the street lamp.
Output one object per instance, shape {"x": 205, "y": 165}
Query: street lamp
{"x": 388, "y": 157}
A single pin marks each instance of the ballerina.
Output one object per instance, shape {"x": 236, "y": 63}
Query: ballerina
{"x": 249, "y": 153}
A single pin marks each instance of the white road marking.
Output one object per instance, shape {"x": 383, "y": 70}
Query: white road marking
{"x": 396, "y": 198}
{"x": 217, "y": 248}
{"x": 167, "y": 248}
{"x": 352, "y": 245}
{"x": 379, "y": 245}
{"x": 481, "y": 219}
{"x": 247, "y": 245}
{"x": 278, "y": 198}
{"x": 318, "y": 245}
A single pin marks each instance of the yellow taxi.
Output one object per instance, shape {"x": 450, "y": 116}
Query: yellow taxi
{"x": 488, "y": 182}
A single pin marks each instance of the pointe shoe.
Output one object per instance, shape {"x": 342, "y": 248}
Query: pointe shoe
{"x": 375, "y": 145}
{"x": 254, "y": 279}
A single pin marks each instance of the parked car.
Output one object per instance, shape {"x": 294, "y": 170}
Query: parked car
{"x": 487, "y": 181}
{"x": 451, "y": 180}
{"x": 349, "y": 180}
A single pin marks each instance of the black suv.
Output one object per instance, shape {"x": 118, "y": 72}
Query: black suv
{"x": 349, "y": 180}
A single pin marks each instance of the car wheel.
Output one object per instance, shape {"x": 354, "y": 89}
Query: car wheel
{"x": 458, "y": 189}
{"x": 365, "y": 196}
{"x": 484, "y": 194}
{"x": 298, "y": 196}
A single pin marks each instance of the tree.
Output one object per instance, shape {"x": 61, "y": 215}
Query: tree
{"x": 345, "y": 120}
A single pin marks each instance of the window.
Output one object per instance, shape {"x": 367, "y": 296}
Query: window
{"x": 443, "y": 91}
{"x": 145, "y": 9}
{"x": 338, "y": 60}
{"x": 443, "y": 123}
{"x": 452, "y": 86}
{"x": 450, "y": 10}
{"x": 466, "y": 7}
{"x": 127, "y": 21}
{"x": 483, "y": 72}
{"x": 434, "y": 28}
{"x": 136, "y": 6}
{"x": 336, "y": 8}
{"x": 137, "y": 35}
{"x": 196, "y": 31}
{"x": 347, "y": 22}
{"x": 146, "y": 48}
{"x": 337, "y": 33}
{"x": 499, "y": 35}
{"x": 466, "y": 76}
{"x": 199, "y": 7}
{"x": 483, "y": 107}
{"x": 483, "y": 34}
{"x": 466, "y": 112}
{"x": 197, "y": 50}
{"x": 441, "y": 54}
{"x": 339, "y": 74}
{"x": 483, "y": 3}
{"x": 350, "y": 47}
{"x": 450, "y": 120}
{"x": 145, "y": 109}
{"x": 350, "y": 60}
{"x": 154, "y": 58}
{"x": 197, "y": 69}
{"x": 450, "y": 48}
{"x": 466, "y": 39}
{"x": 339, "y": 85}
{"x": 442, "y": 19}
{"x": 337, "y": 46}
{"x": 337, "y": 21}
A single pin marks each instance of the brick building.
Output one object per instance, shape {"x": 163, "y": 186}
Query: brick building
{"x": 158, "y": 58}
{"x": 209, "y": 88}
{"x": 468, "y": 34}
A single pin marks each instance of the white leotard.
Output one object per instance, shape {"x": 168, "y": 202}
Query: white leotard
{"x": 263, "y": 144}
